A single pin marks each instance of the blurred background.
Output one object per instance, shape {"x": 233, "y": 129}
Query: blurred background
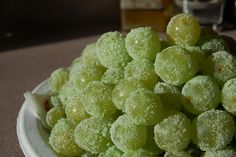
{"x": 30, "y": 22}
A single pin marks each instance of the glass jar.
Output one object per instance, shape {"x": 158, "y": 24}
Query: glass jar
{"x": 208, "y": 12}
{"x": 154, "y": 13}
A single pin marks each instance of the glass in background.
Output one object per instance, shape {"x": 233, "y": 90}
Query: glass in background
{"x": 208, "y": 12}
{"x": 154, "y": 13}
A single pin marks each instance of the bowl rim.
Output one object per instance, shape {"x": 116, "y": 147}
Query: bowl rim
{"x": 33, "y": 139}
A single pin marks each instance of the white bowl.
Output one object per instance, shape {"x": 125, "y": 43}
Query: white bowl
{"x": 32, "y": 137}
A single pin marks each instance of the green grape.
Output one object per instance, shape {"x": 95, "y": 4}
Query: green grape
{"x": 75, "y": 110}
{"x": 76, "y": 61}
{"x": 221, "y": 66}
{"x": 93, "y": 134}
{"x": 138, "y": 153}
{"x": 53, "y": 115}
{"x": 89, "y": 56}
{"x": 213, "y": 130}
{"x": 57, "y": 79}
{"x": 173, "y": 132}
{"x": 111, "y": 152}
{"x": 150, "y": 145}
{"x": 113, "y": 75}
{"x": 228, "y": 96}
{"x": 75, "y": 67}
{"x": 175, "y": 65}
{"x": 86, "y": 74}
{"x": 183, "y": 29}
{"x": 214, "y": 44}
{"x": 198, "y": 55}
{"x": 144, "y": 107}
{"x": 170, "y": 96}
{"x": 55, "y": 101}
{"x": 111, "y": 50}
{"x": 228, "y": 152}
{"x": 66, "y": 93}
{"x": 127, "y": 135}
{"x": 142, "y": 70}
{"x": 62, "y": 139}
{"x": 122, "y": 91}
{"x": 97, "y": 99}
{"x": 177, "y": 154}
{"x": 200, "y": 94}
{"x": 88, "y": 154}
{"x": 142, "y": 43}
{"x": 117, "y": 114}
{"x": 164, "y": 44}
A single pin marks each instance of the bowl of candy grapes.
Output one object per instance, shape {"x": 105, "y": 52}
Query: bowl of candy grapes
{"x": 136, "y": 95}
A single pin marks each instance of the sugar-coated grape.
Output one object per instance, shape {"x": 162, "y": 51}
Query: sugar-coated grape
{"x": 169, "y": 94}
{"x": 117, "y": 114}
{"x": 75, "y": 110}
{"x": 228, "y": 96}
{"x": 227, "y": 152}
{"x": 57, "y": 79}
{"x": 138, "y": 153}
{"x": 175, "y": 65}
{"x": 76, "y": 61}
{"x": 198, "y": 55}
{"x": 53, "y": 115}
{"x": 164, "y": 44}
{"x": 142, "y": 43}
{"x": 86, "y": 74}
{"x": 55, "y": 101}
{"x": 211, "y": 45}
{"x": 200, "y": 94}
{"x": 97, "y": 99}
{"x": 150, "y": 145}
{"x": 76, "y": 65}
{"x": 142, "y": 70}
{"x": 62, "y": 139}
{"x": 144, "y": 107}
{"x": 66, "y": 93}
{"x": 111, "y": 50}
{"x": 221, "y": 66}
{"x": 173, "y": 133}
{"x": 122, "y": 91}
{"x": 177, "y": 154}
{"x": 93, "y": 134}
{"x": 111, "y": 152}
{"x": 127, "y": 135}
{"x": 89, "y": 55}
{"x": 183, "y": 29}
{"x": 89, "y": 154}
{"x": 213, "y": 130}
{"x": 113, "y": 75}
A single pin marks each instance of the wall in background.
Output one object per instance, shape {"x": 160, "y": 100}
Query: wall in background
{"x": 21, "y": 13}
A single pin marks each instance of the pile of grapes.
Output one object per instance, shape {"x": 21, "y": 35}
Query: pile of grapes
{"x": 139, "y": 96}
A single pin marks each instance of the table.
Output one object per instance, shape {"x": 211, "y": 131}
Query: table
{"x": 22, "y": 70}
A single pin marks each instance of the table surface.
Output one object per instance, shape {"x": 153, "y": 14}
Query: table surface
{"x": 22, "y": 70}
